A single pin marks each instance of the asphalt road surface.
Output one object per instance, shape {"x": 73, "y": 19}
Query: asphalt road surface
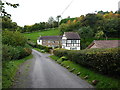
{"x": 42, "y": 72}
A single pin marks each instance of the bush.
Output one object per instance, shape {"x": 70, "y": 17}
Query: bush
{"x": 105, "y": 61}
{"x": 45, "y": 48}
{"x": 60, "y": 52}
{"x": 60, "y": 60}
{"x": 13, "y": 38}
{"x": 13, "y": 53}
{"x": 64, "y": 58}
{"x": 31, "y": 44}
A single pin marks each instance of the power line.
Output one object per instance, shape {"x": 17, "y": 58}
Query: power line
{"x": 59, "y": 16}
{"x": 67, "y": 7}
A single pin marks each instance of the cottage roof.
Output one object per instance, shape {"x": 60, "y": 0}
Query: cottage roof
{"x": 72, "y": 35}
{"x": 50, "y": 38}
{"x": 105, "y": 43}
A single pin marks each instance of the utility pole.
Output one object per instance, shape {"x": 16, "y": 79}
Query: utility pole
{"x": 58, "y": 18}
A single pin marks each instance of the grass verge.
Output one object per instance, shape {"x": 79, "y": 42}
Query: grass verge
{"x": 9, "y": 71}
{"x": 88, "y": 75}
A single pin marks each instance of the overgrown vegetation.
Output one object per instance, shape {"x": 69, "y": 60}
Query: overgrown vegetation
{"x": 45, "y": 48}
{"x": 105, "y": 61}
{"x": 13, "y": 38}
{"x": 14, "y": 46}
{"x": 90, "y": 76}
{"x": 13, "y": 53}
{"x": 9, "y": 71}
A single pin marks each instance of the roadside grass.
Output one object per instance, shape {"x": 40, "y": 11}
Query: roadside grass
{"x": 9, "y": 71}
{"x": 88, "y": 75}
{"x": 54, "y": 57}
{"x": 33, "y": 36}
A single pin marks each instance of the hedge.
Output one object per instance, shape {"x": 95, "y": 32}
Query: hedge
{"x": 47, "y": 49}
{"x": 13, "y": 53}
{"x": 106, "y": 61}
{"x": 13, "y": 38}
{"x": 31, "y": 44}
{"x": 60, "y": 52}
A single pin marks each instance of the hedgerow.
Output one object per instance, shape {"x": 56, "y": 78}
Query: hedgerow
{"x": 13, "y": 38}
{"x": 13, "y": 53}
{"x": 60, "y": 52}
{"x": 106, "y": 61}
{"x": 47, "y": 49}
{"x": 14, "y": 46}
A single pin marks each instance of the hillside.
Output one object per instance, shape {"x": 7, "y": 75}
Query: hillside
{"x": 49, "y": 32}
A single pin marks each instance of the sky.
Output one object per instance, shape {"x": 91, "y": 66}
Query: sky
{"x": 34, "y": 11}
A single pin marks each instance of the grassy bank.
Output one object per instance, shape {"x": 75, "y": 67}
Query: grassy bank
{"x": 34, "y": 35}
{"x": 88, "y": 75}
{"x": 9, "y": 71}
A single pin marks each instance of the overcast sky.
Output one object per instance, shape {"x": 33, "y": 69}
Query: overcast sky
{"x": 35, "y": 11}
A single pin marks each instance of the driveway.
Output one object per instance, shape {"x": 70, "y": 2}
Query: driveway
{"x": 42, "y": 72}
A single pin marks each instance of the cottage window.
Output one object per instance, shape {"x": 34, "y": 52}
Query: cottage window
{"x": 75, "y": 48}
{"x": 73, "y": 41}
{"x": 48, "y": 41}
{"x": 63, "y": 41}
{"x": 68, "y": 41}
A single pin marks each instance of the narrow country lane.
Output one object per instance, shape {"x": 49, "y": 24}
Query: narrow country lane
{"x": 42, "y": 72}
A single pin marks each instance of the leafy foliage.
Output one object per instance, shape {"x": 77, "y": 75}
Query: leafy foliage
{"x": 2, "y": 7}
{"x": 9, "y": 70}
{"x": 82, "y": 72}
{"x": 14, "y": 46}
{"x": 66, "y": 20}
{"x": 45, "y": 48}
{"x": 60, "y": 52}
{"x": 105, "y": 61}
{"x": 86, "y": 32}
{"x": 97, "y": 26}
{"x": 13, "y": 38}
{"x": 14, "y": 53}
{"x": 7, "y": 24}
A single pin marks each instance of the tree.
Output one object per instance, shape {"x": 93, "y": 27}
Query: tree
{"x": 90, "y": 20}
{"x": 86, "y": 32}
{"x": 7, "y": 24}
{"x": 2, "y": 7}
{"x": 50, "y": 21}
{"x": 99, "y": 34}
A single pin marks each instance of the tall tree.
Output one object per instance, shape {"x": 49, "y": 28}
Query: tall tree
{"x": 50, "y": 21}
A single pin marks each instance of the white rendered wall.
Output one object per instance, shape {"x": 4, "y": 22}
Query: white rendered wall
{"x": 39, "y": 43}
{"x": 69, "y": 47}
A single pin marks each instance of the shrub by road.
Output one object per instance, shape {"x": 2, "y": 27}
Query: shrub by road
{"x": 105, "y": 61}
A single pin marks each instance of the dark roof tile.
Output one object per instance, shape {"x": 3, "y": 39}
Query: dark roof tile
{"x": 72, "y": 35}
{"x": 50, "y": 38}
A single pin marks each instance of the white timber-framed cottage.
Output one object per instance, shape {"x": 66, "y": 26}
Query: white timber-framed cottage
{"x": 71, "y": 41}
